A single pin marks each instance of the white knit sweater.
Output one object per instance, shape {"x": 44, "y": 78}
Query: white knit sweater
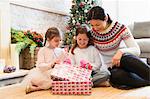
{"x": 90, "y": 54}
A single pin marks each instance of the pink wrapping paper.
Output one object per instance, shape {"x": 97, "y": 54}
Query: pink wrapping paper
{"x": 68, "y": 72}
{"x": 68, "y": 87}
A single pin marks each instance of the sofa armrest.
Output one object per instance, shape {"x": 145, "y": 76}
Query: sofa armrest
{"x": 141, "y": 30}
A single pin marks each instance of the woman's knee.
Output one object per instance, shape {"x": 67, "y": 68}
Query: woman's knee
{"x": 129, "y": 58}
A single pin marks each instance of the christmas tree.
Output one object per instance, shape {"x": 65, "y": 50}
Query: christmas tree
{"x": 78, "y": 16}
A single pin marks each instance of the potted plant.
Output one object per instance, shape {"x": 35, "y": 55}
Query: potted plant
{"x": 26, "y": 43}
{"x": 25, "y": 39}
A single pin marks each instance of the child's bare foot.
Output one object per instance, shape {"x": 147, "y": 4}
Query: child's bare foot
{"x": 28, "y": 89}
{"x": 31, "y": 88}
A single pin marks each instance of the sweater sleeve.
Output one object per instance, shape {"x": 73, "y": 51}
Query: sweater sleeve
{"x": 97, "y": 60}
{"x": 132, "y": 46}
{"x": 41, "y": 64}
{"x": 72, "y": 58}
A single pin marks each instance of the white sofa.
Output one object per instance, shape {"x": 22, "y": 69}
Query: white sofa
{"x": 141, "y": 33}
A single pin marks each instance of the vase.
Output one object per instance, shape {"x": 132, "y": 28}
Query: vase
{"x": 14, "y": 57}
{"x": 2, "y": 65}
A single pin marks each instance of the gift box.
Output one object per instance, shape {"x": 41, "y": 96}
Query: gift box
{"x": 68, "y": 72}
{"x": 69, "y": 87}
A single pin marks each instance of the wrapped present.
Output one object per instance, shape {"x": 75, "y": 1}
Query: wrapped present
{"x": 85, "y": 64}
{"x": 68, "y": 87}
{"x": 67, "y": 61}
{"x": 68, "y": 72}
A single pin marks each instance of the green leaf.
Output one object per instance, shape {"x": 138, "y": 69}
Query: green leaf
{"x": 23, "y": 41}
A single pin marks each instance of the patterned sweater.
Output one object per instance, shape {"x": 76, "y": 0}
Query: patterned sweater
{"x": 115, "y": 37}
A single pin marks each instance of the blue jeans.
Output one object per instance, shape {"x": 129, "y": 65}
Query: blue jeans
{"x": 132, "y": 73}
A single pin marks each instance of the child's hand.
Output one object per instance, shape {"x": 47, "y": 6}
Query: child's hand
{"x": 57, "y": 61}
{"x": 67, "y": 61}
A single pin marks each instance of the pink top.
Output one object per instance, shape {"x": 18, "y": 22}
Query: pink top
{"x": 47, "y": 56}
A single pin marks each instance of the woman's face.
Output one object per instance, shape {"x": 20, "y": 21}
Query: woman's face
{"x": 98, "y": 25}
{"x": 54, "y": 42}
{"x": 82, "y": 40}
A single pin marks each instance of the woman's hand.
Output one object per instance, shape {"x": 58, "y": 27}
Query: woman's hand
{"x": 116, "y": 58}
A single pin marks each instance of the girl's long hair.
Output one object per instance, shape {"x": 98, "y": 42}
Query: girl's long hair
{"x": 82, "y": 30}
{"x": 51, "y": 33}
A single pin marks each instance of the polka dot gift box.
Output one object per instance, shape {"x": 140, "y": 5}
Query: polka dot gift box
{"x": 74, "y": 88}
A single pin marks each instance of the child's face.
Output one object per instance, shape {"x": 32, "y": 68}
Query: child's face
{"x": 82, "y": 40}
{"x": 54, "y": 42}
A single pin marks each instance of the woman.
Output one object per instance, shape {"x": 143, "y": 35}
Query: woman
{"x": 119, "y": 51}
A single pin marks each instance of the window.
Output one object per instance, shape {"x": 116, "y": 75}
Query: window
{"x": 128, "y": 11}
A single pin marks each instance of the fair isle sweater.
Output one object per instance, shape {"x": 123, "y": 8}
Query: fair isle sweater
{"x": 115, "y": 37}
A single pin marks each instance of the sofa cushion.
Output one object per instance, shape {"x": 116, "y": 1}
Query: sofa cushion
{"x": 144, "y": 44}
{"x": 141, "y": 30}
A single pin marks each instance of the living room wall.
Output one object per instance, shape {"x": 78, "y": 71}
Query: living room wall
{"x": 128, "y": 11}
{"x": 39, "y": 15}
{"x": 36, "y": 15}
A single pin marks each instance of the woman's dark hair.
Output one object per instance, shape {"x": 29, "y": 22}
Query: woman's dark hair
{"x": 98, "y": 13}
{"x": 82, "y": 30}
{"x": 51, "y": 33}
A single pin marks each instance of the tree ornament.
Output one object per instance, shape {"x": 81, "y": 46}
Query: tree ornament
{"x": 82, "y": 4}
{"x": 73, "y": 21}
{"x": 85, "y": 10}
{"x": 77, "y": 24}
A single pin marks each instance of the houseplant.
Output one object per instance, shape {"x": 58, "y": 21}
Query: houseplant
{"x": 27, "y": 45}
{"x": 24, "y": 39}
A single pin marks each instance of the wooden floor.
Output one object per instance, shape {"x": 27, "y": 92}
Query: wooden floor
{"x": 17, "y": 92}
